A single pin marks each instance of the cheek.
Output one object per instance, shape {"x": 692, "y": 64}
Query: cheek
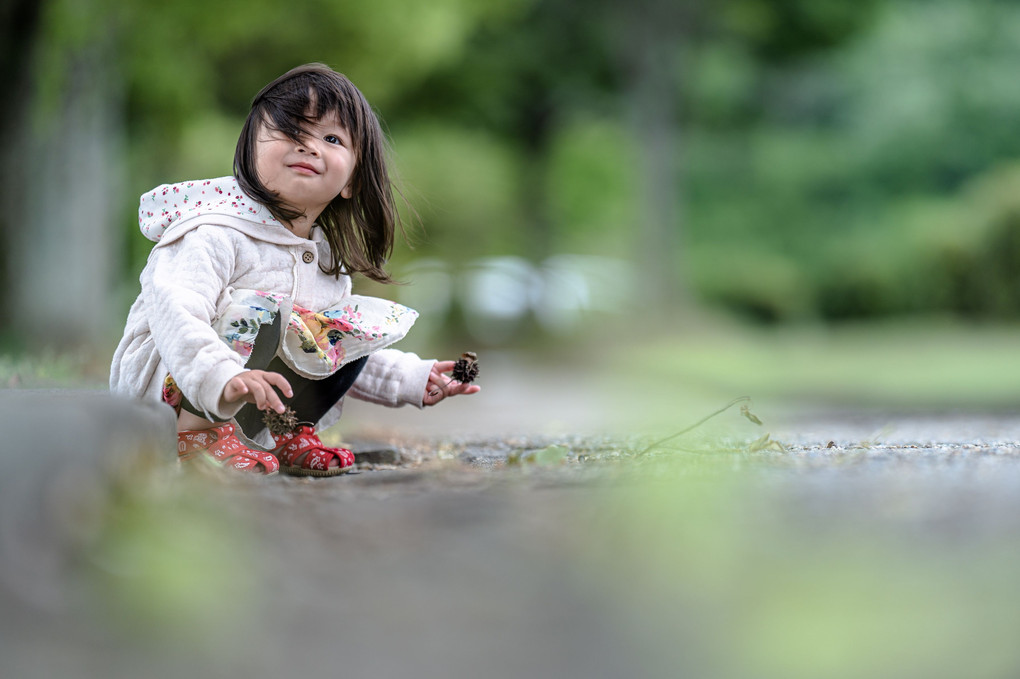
{"x": 268, "y": 156}
{"x": 350, "y": 185}
{"x": 261, "y": 166}
{"x": 272, "y": 176}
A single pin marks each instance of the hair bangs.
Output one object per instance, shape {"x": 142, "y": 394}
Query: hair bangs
{"x": 308, "y": 97}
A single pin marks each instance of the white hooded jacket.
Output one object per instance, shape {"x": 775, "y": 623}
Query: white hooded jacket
{"x": 212, "y": 240}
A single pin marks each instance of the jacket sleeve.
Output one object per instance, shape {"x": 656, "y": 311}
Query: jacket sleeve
{"x": 182, "y": 283}
{"x": 393, "y": 378}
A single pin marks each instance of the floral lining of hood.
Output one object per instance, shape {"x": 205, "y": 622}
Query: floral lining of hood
{"x": 171, "y": 203}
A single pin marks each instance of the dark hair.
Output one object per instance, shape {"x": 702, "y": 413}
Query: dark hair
{"x": 359, "y": 229}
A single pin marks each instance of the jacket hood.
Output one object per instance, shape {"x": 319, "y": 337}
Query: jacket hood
{"x": 174, "y": 208}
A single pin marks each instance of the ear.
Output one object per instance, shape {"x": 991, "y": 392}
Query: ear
{"x": 347, "y": 191}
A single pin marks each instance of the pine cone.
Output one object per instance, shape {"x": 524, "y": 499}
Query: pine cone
{"x": 280, "y": 423}
{"x": 465, "y": 370}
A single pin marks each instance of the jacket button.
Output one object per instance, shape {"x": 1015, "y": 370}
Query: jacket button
{"x": 308, "y": 257}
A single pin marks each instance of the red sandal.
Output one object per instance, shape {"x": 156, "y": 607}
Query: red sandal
{"x": 221, "y": 444}
{"x": 304, "y": 443}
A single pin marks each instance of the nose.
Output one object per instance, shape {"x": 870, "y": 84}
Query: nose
{"x": 307, "y": 146}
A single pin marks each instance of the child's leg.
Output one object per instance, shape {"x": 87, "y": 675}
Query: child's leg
{"x": 312, "y": 398}
{"x": 188, "y": 421}
{"x": 262, "y": 353}
{"x": 303, "y": 451}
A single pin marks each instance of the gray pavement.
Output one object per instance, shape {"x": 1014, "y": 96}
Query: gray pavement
{"x": 873, "y": 545}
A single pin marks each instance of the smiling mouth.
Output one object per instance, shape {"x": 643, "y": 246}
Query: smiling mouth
{"x": 307, "y": 169}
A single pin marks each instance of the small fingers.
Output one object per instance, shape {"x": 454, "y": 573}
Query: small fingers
{"x": 235, "y": 389}
{"x": 458, "y": 388}
{"x": 257, "y": 394}
{"x": 269, "y": 400}
{"x": 438, "y": 384}
{"x": 279, "y": 381}
{"x": 273, "y": 402}
{"x": 261, "y": 392}
{"x": 436, "y": 391}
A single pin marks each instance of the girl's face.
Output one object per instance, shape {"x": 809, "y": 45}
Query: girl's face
{"x": 308, "y": 174}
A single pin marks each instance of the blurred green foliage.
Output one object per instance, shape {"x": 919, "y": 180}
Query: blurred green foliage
{"x": 166, "y": 561}
{"x": 837, "y": 159}
{"x": 591, "y": 186}
{"x": 856, "y": 193}
{"x": 458, "y": 179}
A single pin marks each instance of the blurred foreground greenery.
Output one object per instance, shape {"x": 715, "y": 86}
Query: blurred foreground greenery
{"x": 717, "y": 570}
{"x": 718, "y": 563}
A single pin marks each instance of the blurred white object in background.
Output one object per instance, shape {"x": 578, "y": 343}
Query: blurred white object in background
{"x": 499, "y": 294}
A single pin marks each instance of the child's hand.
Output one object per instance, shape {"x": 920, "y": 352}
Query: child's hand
{"x": 256, "y": 386}
{"x": 441, "y": 386}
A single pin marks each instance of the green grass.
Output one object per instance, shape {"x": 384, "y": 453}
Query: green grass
{"x": 50, "y": 370}
{"x": 903, "y": 366}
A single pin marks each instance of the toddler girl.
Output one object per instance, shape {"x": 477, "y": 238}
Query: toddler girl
{"x": 246, "y": 301}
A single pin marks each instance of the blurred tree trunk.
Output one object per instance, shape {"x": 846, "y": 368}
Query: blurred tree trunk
{"x": 652, "y": 113}
{"x": 535, "y": 145}
{"x": 60, "y": 172}
{"x": 650, "y": 37}
{"x": 19, "y": 27}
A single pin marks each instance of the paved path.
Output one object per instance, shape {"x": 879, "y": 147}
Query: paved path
{"x": 892, "y": 552}
{"x": 517, "y": 397}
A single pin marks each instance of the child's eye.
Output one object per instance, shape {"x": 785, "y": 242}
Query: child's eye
{"x": 333, "y": 139}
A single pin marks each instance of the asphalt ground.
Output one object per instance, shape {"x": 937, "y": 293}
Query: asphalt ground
{"x": 515, "y": 535}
